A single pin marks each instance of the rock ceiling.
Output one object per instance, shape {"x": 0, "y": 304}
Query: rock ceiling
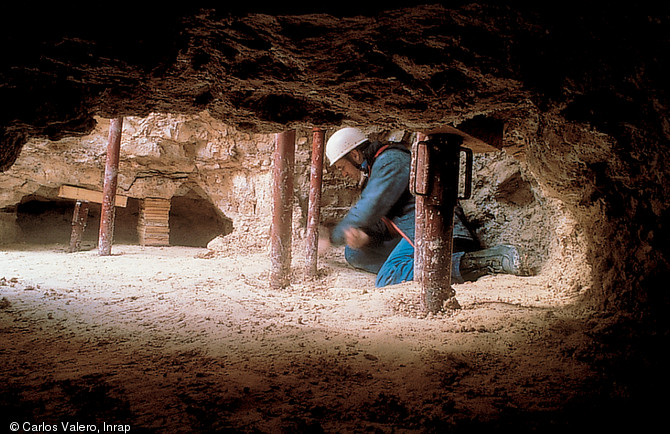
{"x": 268, "y": 69}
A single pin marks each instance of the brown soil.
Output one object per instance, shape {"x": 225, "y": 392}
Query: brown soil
{"x": 182, "y": 339}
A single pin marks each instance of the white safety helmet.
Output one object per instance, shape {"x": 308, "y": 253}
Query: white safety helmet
{"x": 342, "y": 142}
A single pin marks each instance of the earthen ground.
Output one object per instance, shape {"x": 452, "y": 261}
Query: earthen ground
{"x": 179, "y": 339}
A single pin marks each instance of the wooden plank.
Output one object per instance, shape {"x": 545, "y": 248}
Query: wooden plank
{"x": 479, "y": 134}
{"x": 153, "y": 224}
{"x": 86, "y": 195}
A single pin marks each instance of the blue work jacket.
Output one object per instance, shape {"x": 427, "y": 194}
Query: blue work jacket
{"x": 386, "y": 194}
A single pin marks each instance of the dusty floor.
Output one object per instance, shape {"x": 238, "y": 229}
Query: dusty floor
{"x": 179, "y": 340}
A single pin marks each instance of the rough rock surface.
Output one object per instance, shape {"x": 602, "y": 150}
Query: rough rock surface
{"x": 581, "y": 93}
{"x": 198, "y": 157}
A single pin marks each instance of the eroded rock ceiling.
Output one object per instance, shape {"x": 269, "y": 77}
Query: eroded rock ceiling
{"x": 270, "y": 69}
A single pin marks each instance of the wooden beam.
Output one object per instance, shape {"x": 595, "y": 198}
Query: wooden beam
{"x": 488, "y": 130}
{"x": 85, "y": 195}
{"x": 480, "y": 134}
{"x": 79, "y": 220}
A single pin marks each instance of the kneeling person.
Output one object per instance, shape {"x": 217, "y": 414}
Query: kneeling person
{"x": 378, "y": 231}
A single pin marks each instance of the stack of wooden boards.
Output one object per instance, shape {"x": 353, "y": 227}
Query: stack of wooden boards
{"x": 153, "y": 225}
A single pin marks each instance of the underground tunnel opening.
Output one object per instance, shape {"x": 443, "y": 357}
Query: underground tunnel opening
{"x": 195, "y": 221}
{"x": 43, "y": 219}
{"x": 46, "y": 219}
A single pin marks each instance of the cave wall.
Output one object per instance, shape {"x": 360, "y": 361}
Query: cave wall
{"x": 614, "y": 188}
{"x": 177, "y": 158}
{"x": 582, "y": 93}
{"x": 218, "y": 180}
{"x": 174, "y": 157}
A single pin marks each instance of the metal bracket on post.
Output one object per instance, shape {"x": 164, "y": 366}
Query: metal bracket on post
{"x": 467, "y": 186}
{"x": 419, "y": 174}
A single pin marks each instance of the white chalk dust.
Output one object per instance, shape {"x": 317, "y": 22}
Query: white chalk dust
{"x": 175, "y": 339}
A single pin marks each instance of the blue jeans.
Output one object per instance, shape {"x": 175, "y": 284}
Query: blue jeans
{"x": 394, "y": 262}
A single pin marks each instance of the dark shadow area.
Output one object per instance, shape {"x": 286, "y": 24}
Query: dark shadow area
{"x": 194, "y": 221}
{"x": 45, "y": 220}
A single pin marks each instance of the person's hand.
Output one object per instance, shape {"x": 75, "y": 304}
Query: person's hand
{"x": 356, "y": 238}
{"x": 324, "y": 243}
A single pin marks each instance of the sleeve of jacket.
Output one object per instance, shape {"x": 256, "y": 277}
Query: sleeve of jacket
{"x": 388, "y": 181}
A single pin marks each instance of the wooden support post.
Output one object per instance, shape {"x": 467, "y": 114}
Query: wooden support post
{"x": 106, "y": 234}
{"x": 435, "y": 182}
{"x": 282, "y": 210}
{"x": 79, "y": 220}
{"x": 314, "y": 207}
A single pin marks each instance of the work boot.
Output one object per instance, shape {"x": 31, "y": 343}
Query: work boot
{"x": 501, "y": 259}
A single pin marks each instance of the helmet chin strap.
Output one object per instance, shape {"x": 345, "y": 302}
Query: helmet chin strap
{"x": 364, "y": 168}
{"x": 363, "y": 180}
